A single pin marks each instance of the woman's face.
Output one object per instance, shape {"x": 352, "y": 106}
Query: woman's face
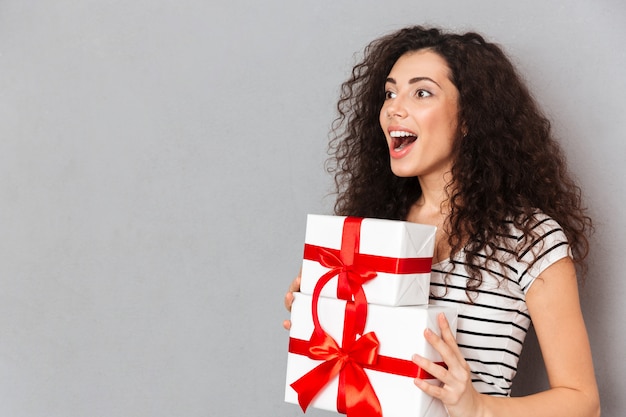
{"x": 420, "y": 115}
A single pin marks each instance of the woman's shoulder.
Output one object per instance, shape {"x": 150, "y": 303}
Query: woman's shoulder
{"x": 533, "y": 226}
{"x": 541, "y": 241}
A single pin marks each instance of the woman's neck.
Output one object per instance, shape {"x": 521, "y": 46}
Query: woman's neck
{"x": 434, "y": 199}
{"x": 433, "y": 208}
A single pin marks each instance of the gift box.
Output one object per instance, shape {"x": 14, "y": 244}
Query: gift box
{"x": 380, "y": 373}
{"x": 390, "y": 259}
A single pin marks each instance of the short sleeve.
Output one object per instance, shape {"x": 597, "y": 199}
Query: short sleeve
{"x": 549, "y": 246}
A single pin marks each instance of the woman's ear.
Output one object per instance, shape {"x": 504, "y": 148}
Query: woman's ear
{"x": 463, "y": 130}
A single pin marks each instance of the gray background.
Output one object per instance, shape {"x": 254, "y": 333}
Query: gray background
{"x": 157, "y": 162}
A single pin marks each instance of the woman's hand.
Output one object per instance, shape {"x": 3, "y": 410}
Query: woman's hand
{"x": 457, "y": 392}
{"x": 293, "y": 287}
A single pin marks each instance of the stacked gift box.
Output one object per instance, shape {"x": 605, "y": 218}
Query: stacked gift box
{"x": 359, "y": 317}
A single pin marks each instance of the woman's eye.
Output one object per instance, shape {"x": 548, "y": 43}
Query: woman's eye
{"x": 422, "y": 93}
{"x": 389, "y": 94}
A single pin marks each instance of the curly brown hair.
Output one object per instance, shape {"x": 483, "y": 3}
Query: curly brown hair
{"x": 507, "y": 163}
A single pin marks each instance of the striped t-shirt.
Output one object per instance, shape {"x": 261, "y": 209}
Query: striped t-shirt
{"x": 491, "y": 330}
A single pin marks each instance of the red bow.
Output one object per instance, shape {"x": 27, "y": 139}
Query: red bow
{"x": 355, "y": 389}
{"x": 354, "y": 276}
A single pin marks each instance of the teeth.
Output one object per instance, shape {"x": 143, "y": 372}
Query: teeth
{"x": 400, "y": 134}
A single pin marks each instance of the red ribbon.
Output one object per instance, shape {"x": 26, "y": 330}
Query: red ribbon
{"x": 361, "y": 400}
{"x": 386, "y": 364}
{"x": 374, "y": 262}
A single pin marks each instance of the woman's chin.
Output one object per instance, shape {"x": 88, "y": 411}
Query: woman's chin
{"x": 403, "y": 172}
{"x": 407, "y": 175}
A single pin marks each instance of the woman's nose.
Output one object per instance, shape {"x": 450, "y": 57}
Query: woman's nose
{"x": 396, "y": 108}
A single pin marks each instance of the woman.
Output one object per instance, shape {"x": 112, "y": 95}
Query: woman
{"x": 438, "y": 128}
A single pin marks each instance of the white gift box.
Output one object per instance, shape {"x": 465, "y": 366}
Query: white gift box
{"x": 399, "y": 240}
{"x": 400, "y": 331}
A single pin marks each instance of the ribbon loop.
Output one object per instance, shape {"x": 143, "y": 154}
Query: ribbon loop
{"x": 350, "y": 276}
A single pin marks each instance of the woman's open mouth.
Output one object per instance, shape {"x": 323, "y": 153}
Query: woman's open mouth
{"x": 400, "y": 139}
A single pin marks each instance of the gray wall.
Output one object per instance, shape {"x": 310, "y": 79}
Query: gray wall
{"x": 157, "y": 161}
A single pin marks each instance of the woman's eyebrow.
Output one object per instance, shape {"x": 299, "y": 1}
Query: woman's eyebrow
{"x": 415, "y": 80}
